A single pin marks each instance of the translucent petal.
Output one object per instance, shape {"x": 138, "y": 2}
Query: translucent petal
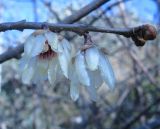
{"x": 28, "y": 45}
{"x": 27, "y": 75}
{"x": 39, "y": 42}
{"x": 74, "y": 87}
{"x": 66, "y": 51}
{"x": 29, "y": 71}
{"x": 74, "y": 90}
{"x": 63, "y": 61}
{"x": 81, "y": 70}
{"x": 95, "y": 82}
{"x": 96, "y": 78}
{"x": 52, "y": 39}
{"x": 52, "y": 71}
{"x": 60, "y": 48}
{"x": 41, "y": 71}
{"x": 23, "y": 62}
{"x": 106, "y": 71}
{"x": 92, "y": 58}
{"x": 66, "y": 44}
{"x": 59, "y": 74}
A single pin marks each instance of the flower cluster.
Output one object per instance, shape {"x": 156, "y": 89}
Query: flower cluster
{"x": 48, "y": 55}
{"x": 90, "y": 68}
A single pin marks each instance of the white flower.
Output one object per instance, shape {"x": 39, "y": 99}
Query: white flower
{"x": 92, "y": 58}
{"x": 90, "y": 69}
{"x": 44, "y": 53}
{"x": 106, "y": 71}
{"x": 80, "y": 67}
{"x": 47, "y": 56}
{"x": 74, "y": 84}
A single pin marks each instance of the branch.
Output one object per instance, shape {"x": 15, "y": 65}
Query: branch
{"x": 154, "y": 124}
{"x": 71, "y": 19}
{"x": 12, "y": 53}
{"x": 143, "y": 112}
{"x": 84, "y": 11}
{"x": 78, "y": 28}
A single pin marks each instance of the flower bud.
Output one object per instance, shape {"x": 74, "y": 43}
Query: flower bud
{"x": 149, "y": 32}
{"x": 144, "y": 33}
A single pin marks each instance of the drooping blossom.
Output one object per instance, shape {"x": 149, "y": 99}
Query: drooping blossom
{"x": 46, "y": 54}
{"x": 91, "y": 68}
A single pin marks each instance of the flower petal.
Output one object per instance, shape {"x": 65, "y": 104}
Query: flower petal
{"x": 29, "y": 45}
{"x": 81, "y": 70}
{"x": 52, "y": 71}
{"x": 59, "y": 74}
{"x": 74, "y": 90}
{"x": 41, "y": 71}
{"x": 52, "y": 39}
{"x": 66, "y": 51}
{"x": 39, "y": 42}
{"x": 96, "y": 81}
{"x": 92, "y": 58}
{"x": 74, "y": 87}
{"x": 96, "y": 78}
{"x": 23, "y": 62}
{"x": 66, "y": 44}
{"x": 27, "y": 75}
{"x": 106, "y": 71}
{"x": 63, "y": 60}
{"x": 29, "y": 71}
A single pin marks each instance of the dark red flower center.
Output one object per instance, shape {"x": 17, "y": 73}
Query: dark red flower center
{"x": 48, "y": 53}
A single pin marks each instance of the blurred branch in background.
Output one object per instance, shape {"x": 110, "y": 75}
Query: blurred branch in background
{"x": 135, "y": 118}
{"x": 132, "y": 55}
{"x": 35, "y": 10}
{"x": 48, "y": 5}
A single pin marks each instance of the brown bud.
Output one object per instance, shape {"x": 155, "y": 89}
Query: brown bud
{"x": 144, "y": 33}
{"x": 149, "y": 32}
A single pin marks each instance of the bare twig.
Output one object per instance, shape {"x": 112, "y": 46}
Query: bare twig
{"x": 13, "y": 53}
{"x": 48, "y": 5}
{"x": 78, "y": 28}
{"x": 84, "y": 11}
{"x": 95, "y": 18}
{"x": 71, "y": 19}
{"x": 35, "y": 10}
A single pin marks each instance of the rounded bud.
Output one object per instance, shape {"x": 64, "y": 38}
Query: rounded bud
{"x": 149, "y": 32}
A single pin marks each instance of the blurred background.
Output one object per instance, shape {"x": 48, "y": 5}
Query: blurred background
{"x": 134, "y": 104}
